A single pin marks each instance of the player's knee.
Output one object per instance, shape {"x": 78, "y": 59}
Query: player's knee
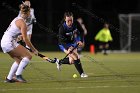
{"x": 71, "y": 60}
{"x": 75, "y": 56}
{"x": 26, "y": 59}
{"x": 29, "y": 57}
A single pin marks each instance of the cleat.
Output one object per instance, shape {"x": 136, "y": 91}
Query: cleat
{"x": 57, "y": 64}
{"x": 9, "y": 81}
{"x": 83, "y": 75}
{"x": 14, "y": 78}
{"x": 19, "y": 78}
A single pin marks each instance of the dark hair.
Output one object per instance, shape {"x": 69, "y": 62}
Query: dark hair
{"x": 24, "y": 8}
{"x": 68, "y": 14}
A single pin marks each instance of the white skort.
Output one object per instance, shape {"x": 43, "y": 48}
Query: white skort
{"x": 8, "y": 44}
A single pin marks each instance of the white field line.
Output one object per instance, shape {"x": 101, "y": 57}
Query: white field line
{"x": 48, "y": 62}
{"x": 93, "y": 87}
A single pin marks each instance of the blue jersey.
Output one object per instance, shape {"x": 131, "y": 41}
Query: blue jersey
{"x": 69, "y": 36}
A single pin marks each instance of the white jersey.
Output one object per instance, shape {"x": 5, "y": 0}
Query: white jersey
{"x": 8, "y": 41}
{"x": 13, "y": 31}
{"x": 29, "y": 21}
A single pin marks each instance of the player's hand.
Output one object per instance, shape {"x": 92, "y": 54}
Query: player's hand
{"x": 80, "y": 44}
{"x": 66, "y": 51}
{"x": 69, "y": 50}
{"x": 19, "y": 38}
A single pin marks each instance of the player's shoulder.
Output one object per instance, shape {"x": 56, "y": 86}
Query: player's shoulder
{"x": 31, "y": 9}
{"x": 19, "y": 17}
{"x": 19, "y": 20}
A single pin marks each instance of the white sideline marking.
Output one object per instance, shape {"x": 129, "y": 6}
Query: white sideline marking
{"x": 14, "y": 89}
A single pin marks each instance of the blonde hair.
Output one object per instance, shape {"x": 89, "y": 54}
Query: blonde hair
{"x": 24, "y": 9}
{"x": 28, "y": 3}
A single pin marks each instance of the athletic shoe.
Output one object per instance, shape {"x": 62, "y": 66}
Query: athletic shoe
{"x": 83, "y": 75}
{"x": 9, "y": 81}
{"x": 19, "y": 78}
{"x": 58, "y": 65}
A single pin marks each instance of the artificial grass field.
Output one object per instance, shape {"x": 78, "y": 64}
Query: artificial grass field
{"x": 114, "y": 73}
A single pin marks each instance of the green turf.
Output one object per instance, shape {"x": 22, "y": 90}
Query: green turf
{"x": 114, "y": 73}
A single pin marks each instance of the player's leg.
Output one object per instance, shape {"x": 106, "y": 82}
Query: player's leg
{"x": 79, "y": 68}
{"x": 106, "y": 46}
{"x": 101, "y": 47}
{"x": 20, "y": 51}
{"x": 69, "y": 60}
{"x": 9, "y": 78}
{"x": 78, "y": 65}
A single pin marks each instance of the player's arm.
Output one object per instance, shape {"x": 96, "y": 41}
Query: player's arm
{"x": 33, "y": 15}
{"x": 80, "y": 34}
{"x": 81, "y": 31}
{"x": 22, "y": 26}
{"x": 62, "y": 39}
{"x": 82, "y": 26}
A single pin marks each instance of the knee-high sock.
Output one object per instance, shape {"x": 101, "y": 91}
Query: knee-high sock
{"x": 12, "y": 70}
{"x": 78, "y": 66}
{"x": 22, "y": 65}
{"x": 64, "y": 61}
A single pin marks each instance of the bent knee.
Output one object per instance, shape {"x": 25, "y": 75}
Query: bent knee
{"x": 26, "y": 59}
{"x": 29, "y": 57}
{"x": 71, "y": 60}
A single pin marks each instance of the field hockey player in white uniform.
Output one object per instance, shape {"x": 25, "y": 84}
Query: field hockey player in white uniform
{"x": 29, "y": 21}
{"x": 16, "y": 51}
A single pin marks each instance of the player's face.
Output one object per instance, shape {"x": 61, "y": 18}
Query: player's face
{"x": 69, "y": 21}
{"x": 26, "y": 15}
{"x": 106, "y": 26}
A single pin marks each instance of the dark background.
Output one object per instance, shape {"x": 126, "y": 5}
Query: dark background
{"x": 49, "y": 13}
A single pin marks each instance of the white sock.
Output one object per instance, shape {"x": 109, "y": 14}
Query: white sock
{"x": 12, "y": 70}
{"x": 22, "y": 65}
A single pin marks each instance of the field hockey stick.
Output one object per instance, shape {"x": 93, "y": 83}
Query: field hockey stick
{"x": 47, "y": 58}
{"x": 44, "y": 57}
{"x": 71, "y": 50}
